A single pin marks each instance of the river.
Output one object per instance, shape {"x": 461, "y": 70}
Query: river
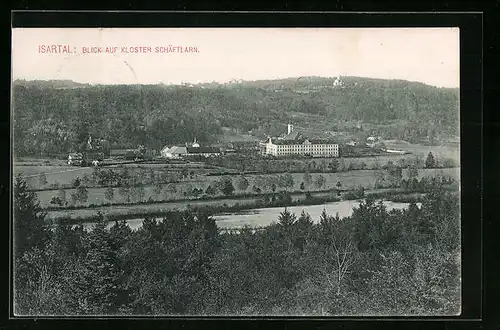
{"x": 266, "y": 216}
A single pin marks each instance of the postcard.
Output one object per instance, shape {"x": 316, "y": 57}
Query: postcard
{"x": 236, "y": 172}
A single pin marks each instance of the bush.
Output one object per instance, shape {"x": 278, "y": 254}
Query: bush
{"x": 376, "y": 262}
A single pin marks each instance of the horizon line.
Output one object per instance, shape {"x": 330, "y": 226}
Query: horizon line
{"x": 228, "y": 82}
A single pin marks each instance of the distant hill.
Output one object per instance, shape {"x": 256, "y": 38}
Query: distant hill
{"x": 313, "y": 82}
{"x": 57, "y": 115}
{"x": 58, "y": 84}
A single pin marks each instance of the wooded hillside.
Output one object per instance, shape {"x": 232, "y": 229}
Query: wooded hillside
{"x": 53, "y": 117}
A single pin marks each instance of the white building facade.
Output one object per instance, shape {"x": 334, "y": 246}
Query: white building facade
{"x": 173, "y": 152}
{"x": 306, "y": 147}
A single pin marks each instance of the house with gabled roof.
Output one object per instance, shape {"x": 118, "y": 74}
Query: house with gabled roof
{"x": 193, "y": 149}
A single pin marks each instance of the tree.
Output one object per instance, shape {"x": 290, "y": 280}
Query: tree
{"x": 302, "y": 230}
{"x": 125, "y": 177}
{"x": 340, "y": 254}
{"x": 396, "y": 175}
{"x": 95, "y": 281}
{"x": 225, "y": 185}
{"x": 370, "y": 222}
{"x": 288, "y": 182}
{"x": 412, "y": 172}
{"x": 197, "y": 192}
{"x": 320, "y": 181}
{"x": 302, "y": 186}
{"x": 402, "y": 163}
{"x": 430, "y": 161}
{"x": 56, "y": 201}
{"x": 171, "y": 188}
{"x": 76, "y": 182}
{"x": 30, "y": 229}
{"x": 339, "y": 186}
{"x": 137, "y": 193}
{"x": 81, "y": 195}
{"x": 42, "y": 179}
{"x": 256, "y": 189}
{"x": 449, "y": 163}
{"x": 380, "y": 179}
{"x": 333, "y": 166}
{"x": 210, "y": 191}
{"x": 151, "y": 175}
{"x": 86, "y": 178}
{"x": 304, "y": 222}
{"x": 109, "y": 194}
{"x": 342, "y": 166}
{"x": 124, "y": 191}
{"x": 376, "y": 164}
{"x": 157, "y": 188}
{"x": 242, "y": 183}
{"x": 62, "y": 195}
{"x": 286, "y": 219}
{"x": 307, "y": 179}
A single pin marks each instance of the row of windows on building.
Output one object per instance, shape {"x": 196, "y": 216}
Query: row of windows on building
{"x": 313, "y": 147}
{"x": 280, "y": 150}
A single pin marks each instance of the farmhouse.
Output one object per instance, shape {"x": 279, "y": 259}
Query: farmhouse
{"x": 195, "y": 149}
{"x": 173, "y": 152}
{"x": 295, "y": 143}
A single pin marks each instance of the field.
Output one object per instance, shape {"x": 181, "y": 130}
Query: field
{"x": 440, "y": 152}
{"x": 137, "y": 209}
{"x": 349, "y": 180}
{"x": 65, "y": 174}
{"x": 59, "y": 179}
{"x": 56, "y": 172}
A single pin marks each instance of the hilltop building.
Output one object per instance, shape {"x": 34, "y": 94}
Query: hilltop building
{"x": 338, "y": 82}
{"x": 294, "y": 143}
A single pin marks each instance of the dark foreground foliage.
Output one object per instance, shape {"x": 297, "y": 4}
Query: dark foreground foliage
{"x": 376, "y": 262}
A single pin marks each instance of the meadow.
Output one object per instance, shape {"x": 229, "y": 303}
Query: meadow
{"x": 130, "y": 211}
{"x": 164, "y": 182}
{"x": 63, "y": 175}
{"x": 440, "y": 152}
{"x": 175, "y": 191}
{"x": 57, "y": 173}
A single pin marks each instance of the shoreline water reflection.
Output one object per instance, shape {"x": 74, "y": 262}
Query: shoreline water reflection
{"x": 265, "y": 216}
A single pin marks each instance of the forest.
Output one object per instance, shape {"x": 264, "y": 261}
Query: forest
{"x": 375, "y": 262}
{"x": 53, "y": 117}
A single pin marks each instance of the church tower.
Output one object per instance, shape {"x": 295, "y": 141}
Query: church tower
{"x": 195, "y": 144}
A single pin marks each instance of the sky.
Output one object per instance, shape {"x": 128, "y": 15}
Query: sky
{"x": 428, "y": 55}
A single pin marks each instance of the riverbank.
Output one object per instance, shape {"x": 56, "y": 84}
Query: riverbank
{"x": 214, "y": 206}
{"x": 118, "y": 213}
{"x": 259, "y": 218}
